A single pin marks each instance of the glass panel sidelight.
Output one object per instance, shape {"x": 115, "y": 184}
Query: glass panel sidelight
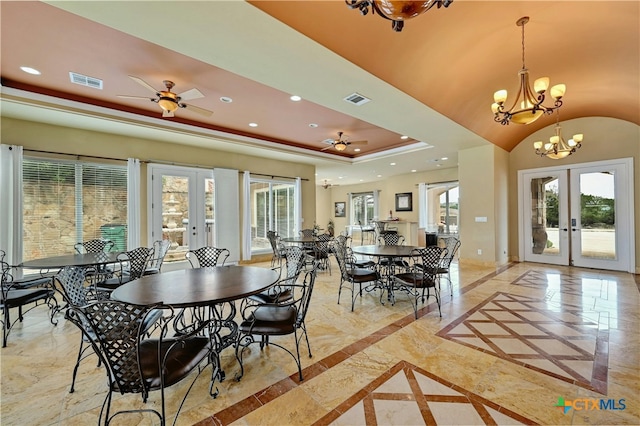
{"x": 175, "y": 215}
{"x": 545, "y": 233}
{"x": 597, "y": 215}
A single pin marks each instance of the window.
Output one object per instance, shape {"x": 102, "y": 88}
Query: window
{"x": 363, "y": 208}
{"x": 442, "y": 207}
{"x": 68, "y": 202}
{"x": 272, "y": 209}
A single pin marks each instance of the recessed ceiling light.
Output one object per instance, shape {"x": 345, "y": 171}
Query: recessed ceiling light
{"x": 226, "y": 100}
{"x": 295, "y": 98}
{"x": 361, "y": 180}
{"x": 340, "y": 177}
{"x": 253, "y": 124}
{"x": 438, "y": 165}
{"x": 444, "y": 158}
{"x": 413, "y": 171}
{"x": 404, "y": 137}
{"x": 392, "y": 164}
{"x": 313, "y": 125}
{"x": 379, "y": 175}
{"x": 30, "y": 70}
{"x": 357, "y": 150}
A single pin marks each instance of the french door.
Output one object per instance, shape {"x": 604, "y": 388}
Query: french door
{"x": 578, "y": 215}
{"x": 182, "y": 208}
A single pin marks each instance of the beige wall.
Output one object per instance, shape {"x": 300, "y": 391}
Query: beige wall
{"x": 45, "y": 137}
{"x": 388, "y": 187}
{"x": 604, "y": 139}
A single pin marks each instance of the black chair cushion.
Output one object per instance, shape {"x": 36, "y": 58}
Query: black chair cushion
{"x": 19, "y": 297}
{"x": 415, "y": 279}
{"x": 361, "y": 275}
{"x": 272, "y": 320}
{"x": 272, "y": 297}
{"x": 183, "y": 357}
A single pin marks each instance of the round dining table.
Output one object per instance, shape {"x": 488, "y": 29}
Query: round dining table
{"x": 389, "y": 252}
{"x": 82, "y": 260}
{"x": 207, "y": 290}
{"x": 197, "y": 287}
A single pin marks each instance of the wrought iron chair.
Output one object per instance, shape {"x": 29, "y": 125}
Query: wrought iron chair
{"x": 282, "y": 291}
{"x": 369, "y": 231}
{"x": 207, "y": 257}
{"x": 452, "y": 244}
{"x": 75, "y": 293}
{"x": 26, "y": 280}
{"x": 392, "y": 239}
{"x": 133, "y": 263}
{"x": 277, "y": 247}
{"x": 422, "y": 276}
{"x": 345, "y": 240}
{"x": 160, "y": 249}
{"x": 322, "y": 250}
{"x": 135, "y": 363}
{"x": 98, "y": 245}
{"x": 278, "y": 319}
{"x": 15, "y": 295}
{"x": 350, "y": 275}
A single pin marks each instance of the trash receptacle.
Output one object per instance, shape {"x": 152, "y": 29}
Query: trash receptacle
{"x": 117, "y": 234}
{"x": 431, "y": 238}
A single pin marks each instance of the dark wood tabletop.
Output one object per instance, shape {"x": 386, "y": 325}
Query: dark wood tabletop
{"x": 385, "y": 251}
{"x": 197, "y": 287}
{"x": 86, "y": 259}
{"x": 303, "y": 240}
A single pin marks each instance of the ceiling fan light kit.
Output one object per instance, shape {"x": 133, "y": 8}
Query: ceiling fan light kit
{"x": 528, "y": 105}
{"x": 170, "y": 101}
{"x": 341, "y": 143}
{"x": 396, "y": 11}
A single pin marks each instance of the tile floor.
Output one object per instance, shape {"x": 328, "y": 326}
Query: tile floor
{"x": 521, "y": 344}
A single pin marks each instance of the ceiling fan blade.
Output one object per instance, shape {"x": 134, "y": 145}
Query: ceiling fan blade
{"x": 358, "y": 143}
{"x": 196, "y": 109}
{"x": 190, "y": 94}
{"x": 326, "y": 148}
{"x": 136, "y": 97}
{"x": 167, "y": 114}
{"x": 143, "y": 83}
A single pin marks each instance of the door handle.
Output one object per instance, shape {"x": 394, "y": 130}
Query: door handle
{"x": 575, "y": 229}
{"x": 565, "y": 229}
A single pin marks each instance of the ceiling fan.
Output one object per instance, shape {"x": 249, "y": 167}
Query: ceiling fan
{"x": 327, "y": 185}
{"x": 341, "y": 143}
{"x": 168, "y": 100}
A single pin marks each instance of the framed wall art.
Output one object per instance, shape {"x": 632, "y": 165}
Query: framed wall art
{"x": 404, "y": 202}
{"x": 341, "y": 209}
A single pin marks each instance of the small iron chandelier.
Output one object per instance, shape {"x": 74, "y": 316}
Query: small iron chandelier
{"x": 557, "y": 148}
{"x": 527, "y": 107}
{"x": 396, "y": 11}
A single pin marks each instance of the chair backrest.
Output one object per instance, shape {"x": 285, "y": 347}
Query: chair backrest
{"x": 160, "y": 249}
{"x": 342, "y": 239}
{"x": 274, "y": 240}
{"x": 295, "y": 258}
{"x": 391, "y": 239}
{"x": 303, "y": 296}
{"x": 94, "y": 246}
{"x": 135, "y": 261}
{"x": 344, "y": 258}
{"x": 430, "y": 258}
{"x": 207, "y": 257}
{"x": 71, "y": 279}
{"x": 115, "y": 330}
{"x": 452, "y": 244}
{"x": 307, "y": 233}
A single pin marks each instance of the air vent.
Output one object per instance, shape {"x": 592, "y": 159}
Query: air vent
{"x": 84, "y": 80}
{"x": 357, "y": 99}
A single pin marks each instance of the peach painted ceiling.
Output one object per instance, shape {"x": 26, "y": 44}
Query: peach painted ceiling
{"x": 433, "y": 82}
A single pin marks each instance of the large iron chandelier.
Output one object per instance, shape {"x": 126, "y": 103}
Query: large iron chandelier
{"x": 557, "y": 148}
{"x": 396, "y": 11}
{"x": 527, "y": 106}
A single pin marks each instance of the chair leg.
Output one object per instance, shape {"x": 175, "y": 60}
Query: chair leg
{"x": 75, "y": 369}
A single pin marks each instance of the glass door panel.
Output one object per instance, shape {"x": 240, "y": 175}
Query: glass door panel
{"x": 546, "y": 236}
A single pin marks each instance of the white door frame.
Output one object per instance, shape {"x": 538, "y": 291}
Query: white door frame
{"x": 624, "y": 207}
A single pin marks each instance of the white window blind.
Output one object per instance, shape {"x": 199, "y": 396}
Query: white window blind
{"x": 67, "y": 202}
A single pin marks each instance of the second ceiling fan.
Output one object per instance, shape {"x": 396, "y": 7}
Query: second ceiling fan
{"x": 168, "y": 100}
{"x": 341, "y": 143}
